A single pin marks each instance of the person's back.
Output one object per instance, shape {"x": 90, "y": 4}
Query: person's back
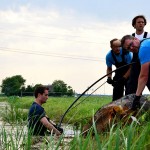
{"x": 138, "y": 23}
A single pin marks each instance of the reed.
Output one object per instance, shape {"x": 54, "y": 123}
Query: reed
{"x": 16, "y": 136}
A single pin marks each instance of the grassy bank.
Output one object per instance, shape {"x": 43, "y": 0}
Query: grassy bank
{"x": 56, "y": 106}
{"x": 132, "y": 137}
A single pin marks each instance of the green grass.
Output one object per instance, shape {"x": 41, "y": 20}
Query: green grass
{"x": 55, "y": 107}
{"x": 130, "y": 137}
{"x": 3, "y": 99}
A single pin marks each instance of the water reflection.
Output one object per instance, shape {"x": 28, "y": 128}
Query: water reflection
{"x": 18, "y": 136}
{"x": 18, "y": 133}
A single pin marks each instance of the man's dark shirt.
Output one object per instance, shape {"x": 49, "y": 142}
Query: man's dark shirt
{"x": 36, "y": 112}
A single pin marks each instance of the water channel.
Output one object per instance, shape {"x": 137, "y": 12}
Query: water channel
{"x": 18, "y": 133}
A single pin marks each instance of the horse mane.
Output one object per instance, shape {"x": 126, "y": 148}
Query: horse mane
{"x": 104, "y": 117}
{"x": 105, "y": 113}
{"x": 114, "y": 112}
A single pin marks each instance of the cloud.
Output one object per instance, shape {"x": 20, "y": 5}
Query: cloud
{"x": 48, "y": 44}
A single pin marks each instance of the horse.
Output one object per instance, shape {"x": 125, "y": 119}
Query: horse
{"x": 114, "y": 112}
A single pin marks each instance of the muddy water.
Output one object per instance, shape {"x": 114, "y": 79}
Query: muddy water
{"x": 17, "y": 133}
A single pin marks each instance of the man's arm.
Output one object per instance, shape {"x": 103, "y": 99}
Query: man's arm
{"x": 143, "y": 78}
{"x": 109, "y": 79}
{"x": 109, "y": 69}
{"x": 49, "y": 126}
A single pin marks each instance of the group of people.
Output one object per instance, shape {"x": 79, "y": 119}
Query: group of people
{"x": 132, "y": 73}
{"x": 131, "y": 56}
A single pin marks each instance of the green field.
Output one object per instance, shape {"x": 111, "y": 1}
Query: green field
{"x": 131, "y": 137}
{"x": 56, "y": 106}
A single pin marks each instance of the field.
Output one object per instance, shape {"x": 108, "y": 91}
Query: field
{"x": 131, "y": 137}
{"x": 56, "y": 106}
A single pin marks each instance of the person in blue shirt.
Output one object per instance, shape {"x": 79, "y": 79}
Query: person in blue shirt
{"x": 38, "y": 121}
{"x": 142, "y": 48}
{"x": 117, "y": 57}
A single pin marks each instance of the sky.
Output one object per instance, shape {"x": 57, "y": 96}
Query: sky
{"x": 47, "y": 40}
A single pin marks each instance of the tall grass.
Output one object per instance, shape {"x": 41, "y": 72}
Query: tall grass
{"x": 16, "y": 136}
{"x": 12, "y": 113}
{"x": 20, "y": 139}
{"x": 56, "y": 106}
{"x": 131, "y": 137}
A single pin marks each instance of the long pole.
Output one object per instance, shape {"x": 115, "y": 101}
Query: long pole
{"x": 59, "y": 125}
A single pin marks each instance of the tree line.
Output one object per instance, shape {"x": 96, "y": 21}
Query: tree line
{"x": 15, "y": 86}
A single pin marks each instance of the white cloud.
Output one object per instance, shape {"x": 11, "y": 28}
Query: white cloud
{"x": 57, "y": 36}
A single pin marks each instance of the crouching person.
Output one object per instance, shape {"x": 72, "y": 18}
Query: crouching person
{"x": 38, "y": 122}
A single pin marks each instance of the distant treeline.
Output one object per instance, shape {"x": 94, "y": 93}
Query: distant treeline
{"x": 15, "y": 86}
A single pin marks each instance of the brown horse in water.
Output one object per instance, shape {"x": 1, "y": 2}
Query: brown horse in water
{"x": 116, "y": 111}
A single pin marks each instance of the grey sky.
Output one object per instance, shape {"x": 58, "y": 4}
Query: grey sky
{"x": 47, "y": 40}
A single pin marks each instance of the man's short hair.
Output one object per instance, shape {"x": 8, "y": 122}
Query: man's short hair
{"x": 136, "y": 17}
{"x": 111, "y": 42}
{"x": 124, "y": 38}
{"x": 40, "y": 89}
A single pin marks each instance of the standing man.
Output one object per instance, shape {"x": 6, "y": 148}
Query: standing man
{"x": 138, "y": 23}
{"x": 118, "y": 58}
{"x": 38, "y": 122}
{"x": 143, "y": 49}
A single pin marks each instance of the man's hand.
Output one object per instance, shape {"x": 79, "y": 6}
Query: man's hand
{"x": 59, "y": 129}
{"x": 136, "y": 103}
{"x": 109, "y": 80}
